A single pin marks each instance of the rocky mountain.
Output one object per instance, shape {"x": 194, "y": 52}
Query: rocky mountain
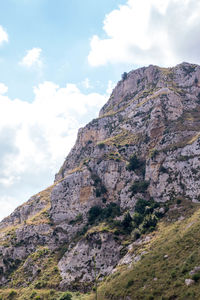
{"x": 131, "y": 170}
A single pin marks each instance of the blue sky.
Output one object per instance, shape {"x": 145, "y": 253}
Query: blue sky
{"x": 59, "y": 62}
{"x": 62, "y": 29}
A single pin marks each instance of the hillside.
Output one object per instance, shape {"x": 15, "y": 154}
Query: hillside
{"x": 124, "y": 206}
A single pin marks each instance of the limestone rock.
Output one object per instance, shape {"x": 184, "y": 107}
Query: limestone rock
{"x": 189, "y": 282}
{"x": 155, "y": 114}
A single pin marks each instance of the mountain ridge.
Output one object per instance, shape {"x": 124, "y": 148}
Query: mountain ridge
{"x": 145, "y": 145}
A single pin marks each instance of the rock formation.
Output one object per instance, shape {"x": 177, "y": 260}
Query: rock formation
{"x": 145, "y": 144}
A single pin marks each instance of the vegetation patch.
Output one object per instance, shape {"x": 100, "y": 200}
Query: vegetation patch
{"x": 136, "y": 164}
{"x": 97, "y": 214}
{"x": 100, "y": 187}
{"x": 39, "y": 271}
{"x": 139, "y": 187}
{"x": 123, "y": 138}
{"x": 43, "y": 294}
{"x": 77, "y": 220}
{"x": 161, "y": 273}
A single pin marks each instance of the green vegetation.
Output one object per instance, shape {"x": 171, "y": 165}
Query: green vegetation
{"x": 169, "y": 257}
{"x": 44, "y": 263}
{"x": 127, "y": 223}
{"x": 124, "y": 76}
{"x": 66, "y": 296}
{"x": 97, "y": 214}
{"x": 146, "y": 216}
{"x": 136, "y": 164}
{"x": 153, "y": 152}
{"x": 101, "y": 145}
{"x": 77, "y": 220}
{"x": 171, "y": 253}
{"x": 100, "y": 187}
{"x": 125, "y": 138}
{"x": 43, "y": 294}
{"x": 139, "y": 187}
{"x": 143, "y": 220}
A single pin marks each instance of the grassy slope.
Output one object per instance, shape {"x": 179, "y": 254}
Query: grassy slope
{"x": 156, "y": 277}
{"x": 153, "y": 277}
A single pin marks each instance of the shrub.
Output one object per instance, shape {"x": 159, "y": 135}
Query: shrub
{"x": 130, "y": 283}
{"x": 33, "y": 294}
{"x": 153, "y": 153}
{"x": 149, "y": 223}
{"x": 40, "y": 284}
{"x": 12, "y": 294}
{"x": 139, "y": 187}
{"x": 101, "y": 145}
{"x": 141, "y": 205}
{"x": 96, "y": 179}
{"x": 66, "y": 296}
{"x": 136, "y": 234}
{"x": 124, "y": 76}
{"x": 78, "y": 219}
{"x": 196, "y": 277}
{"x": 127, "y": 223}
{"x": 93, "y": 213}
{"x": 178, "y": 201}
{"x": 111, "y": 210}
{"x": 174, "y": 274}
{"x": 101, "y": 189}
{"x": 163, "y": 169}
{"x": 96, "y": 213}
{"x": 135, "y": 164}
{"x": 137, "y": 218}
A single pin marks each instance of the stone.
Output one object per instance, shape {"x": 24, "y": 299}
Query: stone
{"x": 195, "y": 270}
{"x": 189, "y": 282}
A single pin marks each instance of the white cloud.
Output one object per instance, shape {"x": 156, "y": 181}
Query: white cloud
{"x": 3, "y": 88}
{"x": 149, "y": 32}
{"x": 110, "y": 87}
{"x": 86, "y": 83}
{"x": 32, "y": 58}
{"x": 7, "y": 206}
{"x": 36, "y": 137}
{"x": 3, "y": 35}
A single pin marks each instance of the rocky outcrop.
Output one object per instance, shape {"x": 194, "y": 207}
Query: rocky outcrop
{"x": 152, "y": 115}
{"x": 97, "y": 252}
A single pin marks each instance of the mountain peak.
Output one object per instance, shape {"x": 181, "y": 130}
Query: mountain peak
{"x": 139, "y": 158}
{"x": 148, "y": 78}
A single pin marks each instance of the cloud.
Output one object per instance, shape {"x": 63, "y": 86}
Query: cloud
{"x": 36, "y": 137}
{"x": 86, "y": 83}
{"x": 110, "y": 87}
{"x": 149, "y": 32}
{"x": 32, "y": 58}
{"x": 3, "y": 35}
{"x": 3, "y": 88}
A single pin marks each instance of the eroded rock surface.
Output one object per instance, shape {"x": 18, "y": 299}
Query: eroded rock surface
{"x": 154, "y": 114}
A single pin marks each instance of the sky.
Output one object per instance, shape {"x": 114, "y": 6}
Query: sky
{"x": 60, "y": 60}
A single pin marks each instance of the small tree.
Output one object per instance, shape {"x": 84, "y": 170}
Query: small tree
{"x": 127, "y": 223}
{"x": 134, "y": 163}
{"x": 66, "y": 296}
{"x": 124, "y": 76}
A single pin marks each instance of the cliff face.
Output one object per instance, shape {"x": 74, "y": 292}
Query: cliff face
{"x": 144, "y": 145}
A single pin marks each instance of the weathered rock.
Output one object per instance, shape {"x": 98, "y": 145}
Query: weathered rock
{"x": 98, "y": 252}
{"x": 195, "y": 270}
{"x": 155, "y": 114}
{"x": 189, "y": 282}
